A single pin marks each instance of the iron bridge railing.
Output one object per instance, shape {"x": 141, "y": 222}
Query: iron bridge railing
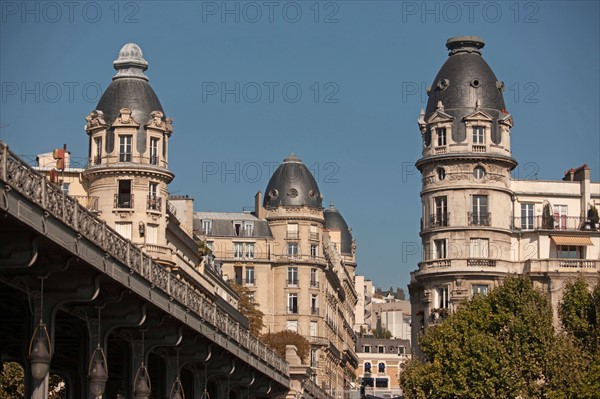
{"x": 19, "y": 176}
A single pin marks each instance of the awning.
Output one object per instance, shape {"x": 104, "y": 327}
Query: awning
{"x": 572, "y": 240}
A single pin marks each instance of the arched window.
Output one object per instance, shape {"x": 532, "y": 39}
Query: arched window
{"x": 367, "y": 367}
{"x": 381, "y": 367}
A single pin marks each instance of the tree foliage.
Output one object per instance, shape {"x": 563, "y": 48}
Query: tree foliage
{"x": 381, "y": 332}
{"x": 249, "y": 308}
{"x": 12, "y": 383}
{"x": 580, "y": 315}
{"x": 502, "y": 345}
{"x": 279, "y": 340}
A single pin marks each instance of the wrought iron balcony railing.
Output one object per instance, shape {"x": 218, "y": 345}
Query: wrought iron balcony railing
{"x": 154, "y": 203}
{"x": 480, "y": 219}
{"x": 123, "y": 201}
{"x": 548, "y": 223}
{"x": 439, "y": 220}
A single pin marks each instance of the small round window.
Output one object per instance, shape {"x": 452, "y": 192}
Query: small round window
{"x": 293, "y": 193}
{"x": 479, "y": 172}
{"x": 441, "y": 173}
{"x": 273, "y": 193}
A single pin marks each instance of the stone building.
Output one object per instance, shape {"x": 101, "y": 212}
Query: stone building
{"x": 478, "y": 224}
{"x": 298, "y": 261}
{"x": 380, "y": 363}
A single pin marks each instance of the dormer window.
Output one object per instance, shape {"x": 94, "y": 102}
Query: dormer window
{"x": 125, "y": 148}
{"x": 478, "y": 135}
{"x": 441, "y": 136}
{"x": 97, "y": 151}
{"x": 154, "y": 151}
{"x": 248, "y": 229}
{"x": 237, "y": 228}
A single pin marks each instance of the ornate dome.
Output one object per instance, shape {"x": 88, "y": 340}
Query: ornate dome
{"x": 292, "y": 184}
{"x": 466, "y": 83}
{"x": 130, "y": 88}
{"x": 334, "y": 221}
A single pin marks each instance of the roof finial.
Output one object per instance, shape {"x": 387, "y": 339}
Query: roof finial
{"x": 130, "y": 63}
{"x": 331, "y": 205}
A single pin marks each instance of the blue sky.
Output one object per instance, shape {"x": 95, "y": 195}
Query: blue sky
{"x": 339, "y": 83}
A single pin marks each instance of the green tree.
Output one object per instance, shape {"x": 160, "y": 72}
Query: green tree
{"x": 249, "y": 308}
{"x": 381, "y": 332}
{"x": 279, "y": 340}
{"x": 12, "y": 384}
{"x": 580, "y": 315}
{"x": 502, "y": 345}
{"x": 11, "y": 381}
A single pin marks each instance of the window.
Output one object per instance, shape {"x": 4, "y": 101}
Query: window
{"x": 293, "y": 249}
{"x": 207, "y": 227}
{"x": 527, "y": 216}
{"x": 367, "y": 367}
{"x": 292, "y": 325}
{"x": 292, "y": 231}
{"x": 293, "y": 303}
{"x": 367, "y": 349}
{"x": 314, "y": 359}
{"x": 248, "y": 229}
{"x": 478, "y": 135}
{"x": 560, "y": 217}
{"x": 479, "y": 214}
{"x": 481, "y": 289}
{"x": 153, "y": 200}
{"x": 238, "y": 250}
{"x": 314, "y": 250}
{"x": 440, "y": 249}
{"x": 98, "y": 150}
{"x": 441, "y": 173}
{"x": 569, "y": 252}
{"x": 314, "y": 234}
{"x": 151, "y": 234}
{"x": 124, "y": 228}
{"x": 124, "y": 198}
{"x": 292, "y": 278}
{"x": 479, "y": 172}
{"x": 440, "y": 217}
{"x": 243, "y": 250}
{"x": 237, "y": 228}
{"x": 314, "y": 304}
{"x": 249, "y": 250}
{"x": 479, "y": 247}
{"x": 381, "y": 382}
{"x": 250, "y": 275}
{"x": 441, "y": 136}
{"x": 313, "y": 277}
{"x": 401, "y": 350}
{"x": 313, "y": 328}
{"x": 153, "y": 151}
{"x": 380, "y": 349}
{"x": 381, "y": 367}
{"x": 124, "y": 148}
{"x": 441, "y": 297}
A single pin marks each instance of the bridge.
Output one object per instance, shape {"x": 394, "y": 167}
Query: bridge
{"x": 107, "y": 314}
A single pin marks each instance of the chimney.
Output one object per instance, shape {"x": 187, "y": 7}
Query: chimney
{"x": 259, "y": 211}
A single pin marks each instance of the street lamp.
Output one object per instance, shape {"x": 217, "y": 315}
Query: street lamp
{"x": 40, "y": 347}
{"x": 98, "y": 368}
{"x": 141, "y": 383}
{"x": 177, "y": 389}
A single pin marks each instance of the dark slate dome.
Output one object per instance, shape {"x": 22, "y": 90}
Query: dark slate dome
{"x": 129, "y": 88}
{"x": 335, "y": 221}
{"x": 292, "y": 184}
{"x": 466, "y": 83}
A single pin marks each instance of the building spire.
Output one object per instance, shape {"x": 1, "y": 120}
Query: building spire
{"x": 130, "y": 63}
